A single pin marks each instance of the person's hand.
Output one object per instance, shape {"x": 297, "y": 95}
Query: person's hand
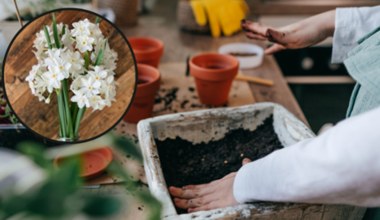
{"x": 217, "y": 194}
{"x": 298, "y": 35}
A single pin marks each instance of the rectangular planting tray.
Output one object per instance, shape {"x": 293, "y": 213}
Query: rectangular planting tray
{"x": 212, "y": 125}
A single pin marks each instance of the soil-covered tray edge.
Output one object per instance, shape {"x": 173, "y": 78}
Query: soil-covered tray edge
{"x": 152, "y": 164}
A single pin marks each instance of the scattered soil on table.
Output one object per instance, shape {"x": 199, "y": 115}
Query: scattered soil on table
{"x": 166, "y": 96}
{"x": 185, "y": 163}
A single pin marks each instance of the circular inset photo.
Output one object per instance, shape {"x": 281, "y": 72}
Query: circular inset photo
{"x": 69, "y": 75}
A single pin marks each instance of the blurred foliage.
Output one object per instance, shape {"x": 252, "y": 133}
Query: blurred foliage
{"x": 60, "y": 195}
{"x": 128, "y": 147}
{"x": 40, "y": 6}
{"x": 6, "y": 114}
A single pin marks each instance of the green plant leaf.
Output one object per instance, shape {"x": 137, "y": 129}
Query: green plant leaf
{"x": 61, "y": 113}
{"x": 134, "y": 187}
{"x": 86, "y": 57}
{"x": 14, "y": 205}
{"x": 55, "y": 32}
{"x": 47, "y": 36}
{"x": 51, "y": 199}
{"x": 153, "y": 204}
{"x": 69, "y": 121}
{"x": 63, "y": 30}
{"x": 99, "y": 58}
{"x": 101, "y": 206}
{"x": 127, "y": 146}
{"x": 97, "y": 20}
{"x": 35, "y": 152}
{"x": 60, "y": 195}
{"x": 78, "y": 119}
{"x": 117, "y": 170}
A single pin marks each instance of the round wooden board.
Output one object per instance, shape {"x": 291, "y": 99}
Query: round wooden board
{"x": 43, "y": 118}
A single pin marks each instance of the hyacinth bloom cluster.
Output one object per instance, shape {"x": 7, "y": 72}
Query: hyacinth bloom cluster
{"x": 77, "y": 64}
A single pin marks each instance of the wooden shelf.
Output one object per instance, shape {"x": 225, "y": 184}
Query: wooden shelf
{"x": 299, "y": 7}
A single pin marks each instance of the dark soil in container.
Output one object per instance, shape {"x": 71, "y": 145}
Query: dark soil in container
{"x": 185, "y": 163}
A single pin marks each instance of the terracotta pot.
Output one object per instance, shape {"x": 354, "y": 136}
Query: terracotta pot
{"x": 213, "y": 75}
{"x": 147, "y": 86}
{"x": 147, "y": 50}
{"x": 93, "y": 163}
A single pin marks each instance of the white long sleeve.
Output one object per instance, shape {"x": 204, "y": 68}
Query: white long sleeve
{"x": 351, "y": 24}
{"x": 342, "y": 166}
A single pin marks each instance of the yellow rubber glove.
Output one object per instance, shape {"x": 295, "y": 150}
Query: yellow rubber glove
{"x": 230, "y": 16}
{"x": 199, "y": 12}
{"x": 220, "y": 15}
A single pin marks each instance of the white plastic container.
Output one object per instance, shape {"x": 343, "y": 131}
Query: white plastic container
{"x": 216, "y": 123}
{"x": 246, "y": 62}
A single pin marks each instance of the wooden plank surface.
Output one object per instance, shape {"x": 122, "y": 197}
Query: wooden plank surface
{"x": 43, "y": 118}
{"x": 178, "y": 46}
{"x": 279, "y": 93}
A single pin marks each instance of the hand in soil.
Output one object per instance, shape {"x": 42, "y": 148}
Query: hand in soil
{"x": 217, "y": 194}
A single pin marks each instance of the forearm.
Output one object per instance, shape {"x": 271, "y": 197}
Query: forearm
{"x": 340, "y": 166}
{"x": 323, "y": 24}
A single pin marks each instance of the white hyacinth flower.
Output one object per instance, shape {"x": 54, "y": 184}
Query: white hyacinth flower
{"x": 84, "y": 43}
{"x": 68, "y": 41}
{"x": 33, "y": 75}
{"x": 98, "y": 73}
{"x": 41, "y": 44}
{"x": 91, "y": 84}
{"x": 109, "y": 55}
{"x": 77, "y": 62}
{"x": 37, "y": 83}
{"x": 109, "y": 93}
{"x": 110, "y": 58}
{"x": 56, "y": 61}
{"x": 53, "y": 78}
{"x": 95, "y": 31}
{"x": 96, "y": 102}
{"x": 81, "y": 99}
{"x": 81, "y": 28}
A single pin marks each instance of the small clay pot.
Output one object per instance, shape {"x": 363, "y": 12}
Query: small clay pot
{"x": 148, "y": 83}
{"x": 213, "y": 75}
{"x": 147, "y": 50}
{"x": 93, "y": 163}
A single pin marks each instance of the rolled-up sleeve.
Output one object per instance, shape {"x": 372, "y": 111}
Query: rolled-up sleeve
{"x": 341, "y": 166}
{"x": 351, "y": 24}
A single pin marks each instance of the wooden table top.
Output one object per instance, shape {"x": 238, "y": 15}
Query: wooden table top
{"x": 179, "y": 46}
